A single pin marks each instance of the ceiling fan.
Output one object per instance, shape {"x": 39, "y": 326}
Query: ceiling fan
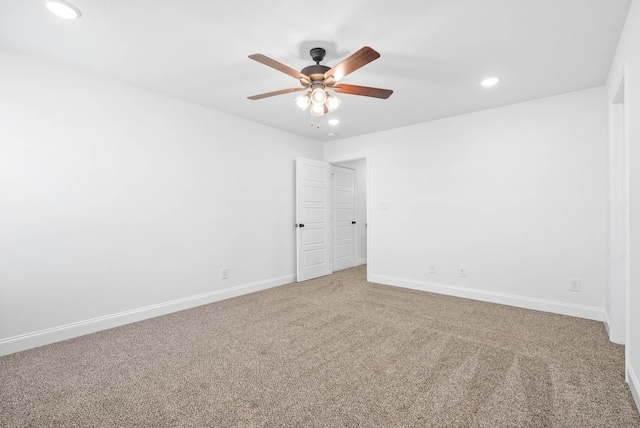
{"x": 319, "y": 81}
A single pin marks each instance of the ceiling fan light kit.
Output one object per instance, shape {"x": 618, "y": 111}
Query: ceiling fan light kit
{"x": 319, "y": 81}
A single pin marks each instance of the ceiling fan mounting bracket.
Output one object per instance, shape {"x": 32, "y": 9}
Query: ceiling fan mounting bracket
{"x": 317, "y": 54}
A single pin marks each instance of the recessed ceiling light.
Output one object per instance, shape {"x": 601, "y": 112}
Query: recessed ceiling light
{"x": 333, "y": 121}
{"x": 489, "y": 81}
{"x": 331, "y": 134}
{"x": 63, "y": 9}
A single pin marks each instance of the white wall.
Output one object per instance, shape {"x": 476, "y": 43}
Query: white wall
{"x": 517, "y": 195}
{"x": 360, "y": 168}
{"x": 118, "y": 203}
{"x": 626, "y": 64}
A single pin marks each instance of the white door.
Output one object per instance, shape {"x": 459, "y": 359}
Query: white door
{"x": 313, "y": 184}
{"x": 344, "y": 216}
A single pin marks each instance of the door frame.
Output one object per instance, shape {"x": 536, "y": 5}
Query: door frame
{"x": 619, "y": 263}
{"x": 359, "y": 156}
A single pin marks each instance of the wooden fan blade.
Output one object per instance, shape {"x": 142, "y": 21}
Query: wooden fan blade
{"x": 280, "y": 67}
{"x": 363, "y": 90}
{"x": 350, "y": 64}
{"x": 280, "y": 92}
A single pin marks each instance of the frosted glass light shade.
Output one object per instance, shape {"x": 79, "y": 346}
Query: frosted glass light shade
{"x": 303, "y": 100}
{"x": 317, "y": 109}
{"x": 318, "y": 96}
{"x": 333, "y": 102}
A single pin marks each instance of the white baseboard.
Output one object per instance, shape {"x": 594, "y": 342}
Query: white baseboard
{"x": 361, "y": 261}
{"x": 614, "y": 336}
{"x": 68, "y": 331}
{"x": 634, "y": 385}
{"x": 562, "y": 308}
{"x": 605, "y": 321}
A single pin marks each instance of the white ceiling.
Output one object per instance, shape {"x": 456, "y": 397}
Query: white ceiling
{"x": 433, "y": 52}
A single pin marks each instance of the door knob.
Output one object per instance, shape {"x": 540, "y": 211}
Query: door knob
{"x": 300, "y": 225}
{"x": 353, "y": 222}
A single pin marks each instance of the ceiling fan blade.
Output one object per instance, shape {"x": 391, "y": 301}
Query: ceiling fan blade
{"x": 350, "y": 64}
{"x": 280, "y": 67}
{"x": 280, "y": 92}
{"x": 363, "y": 90}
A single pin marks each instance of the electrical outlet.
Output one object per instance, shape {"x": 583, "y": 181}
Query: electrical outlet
{"x": 462, "y": 271}
{"x": 224, "y": 273}
{"x": 432, "y": 268}
{"x": 574, "y": 284}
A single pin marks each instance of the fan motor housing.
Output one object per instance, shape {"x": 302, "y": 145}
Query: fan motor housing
{"x": 315, "y": 72}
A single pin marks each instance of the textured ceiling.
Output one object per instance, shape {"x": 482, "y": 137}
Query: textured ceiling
{"x": 433, "y": 52}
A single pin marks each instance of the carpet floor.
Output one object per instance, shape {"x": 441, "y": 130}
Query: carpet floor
{"x": 331, "y": 352}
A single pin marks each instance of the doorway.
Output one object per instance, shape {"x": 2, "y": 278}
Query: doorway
{"x": 315, "y": 213}
{"x": 350, "y": 245}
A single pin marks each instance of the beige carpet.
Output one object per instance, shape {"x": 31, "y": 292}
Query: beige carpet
{"x": 331, "y": 352}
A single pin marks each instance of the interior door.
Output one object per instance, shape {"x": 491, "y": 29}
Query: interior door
{"x": 313, "y": 184}
{"x": 344, "y": 224}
